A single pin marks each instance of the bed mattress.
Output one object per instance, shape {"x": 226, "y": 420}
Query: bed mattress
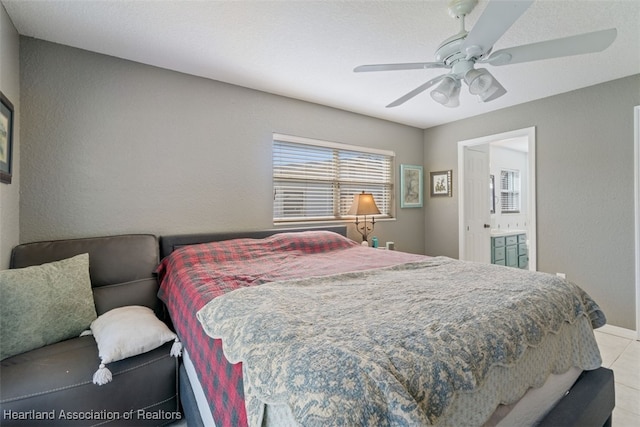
{"x": 216, "y": 269}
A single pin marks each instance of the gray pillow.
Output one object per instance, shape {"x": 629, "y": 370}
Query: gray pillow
{"x": 44, "y": 304}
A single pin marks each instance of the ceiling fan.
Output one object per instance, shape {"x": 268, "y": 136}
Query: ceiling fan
{"x": 461, "y": 52}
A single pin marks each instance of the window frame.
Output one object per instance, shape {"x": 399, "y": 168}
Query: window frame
{"x": 341, "y": 187}
{"x": 513, "y": 193}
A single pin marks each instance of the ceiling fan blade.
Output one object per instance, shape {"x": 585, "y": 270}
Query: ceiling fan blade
{"x": 394, "y": 67}
{"x": 567, "y": 46}
{"x": 416, "y": 91}
{"x": 495, "y": 20}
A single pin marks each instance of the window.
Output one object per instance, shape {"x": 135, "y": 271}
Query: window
{"x": 316, "y": 180}
{"x": 510, "y": 191}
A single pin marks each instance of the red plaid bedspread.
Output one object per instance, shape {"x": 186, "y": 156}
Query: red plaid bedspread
{"x": 193, "y": 275}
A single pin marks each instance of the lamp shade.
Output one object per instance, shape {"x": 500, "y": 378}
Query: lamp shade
{"x": 495, "y": 91}
{"x": 454, "y": 98}
{"x": 479, "y": 80}
{"x": 363, "y": 204}
{"x": 447, "y": 92}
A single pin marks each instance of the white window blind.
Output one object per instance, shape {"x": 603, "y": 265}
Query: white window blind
{"x": 510, "y": 191}
{"x": 316, "y": 180}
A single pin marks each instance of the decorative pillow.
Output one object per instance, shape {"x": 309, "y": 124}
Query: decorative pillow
{"x": 128, "y": 331}
{"x": 44, "y": 304}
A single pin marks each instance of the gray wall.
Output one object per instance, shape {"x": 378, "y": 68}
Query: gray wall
{"x": 10, "y": 87}
{"x": 112, "y": 146}
{"x": 585, "y": 192}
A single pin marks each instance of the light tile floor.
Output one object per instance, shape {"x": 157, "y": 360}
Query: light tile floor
{"x": 622, "y": 355}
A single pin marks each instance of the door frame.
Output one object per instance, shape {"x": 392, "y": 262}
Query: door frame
{"x": 636, "y": 173}
{"x": 530, "y": 134}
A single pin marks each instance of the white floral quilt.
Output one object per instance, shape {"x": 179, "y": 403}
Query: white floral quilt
{"x": 439, "y": 342}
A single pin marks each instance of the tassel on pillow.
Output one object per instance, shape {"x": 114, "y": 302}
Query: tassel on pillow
{"x": 176, "y": 348}
{"x": 102, "y": 375}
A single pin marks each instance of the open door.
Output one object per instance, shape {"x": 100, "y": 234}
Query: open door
{"x": 477, "y": 214}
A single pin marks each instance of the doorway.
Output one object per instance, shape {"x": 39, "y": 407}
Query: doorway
{"x": 476, "y": 223}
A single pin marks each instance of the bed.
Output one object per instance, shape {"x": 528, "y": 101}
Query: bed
{"x": 306, "y": 327}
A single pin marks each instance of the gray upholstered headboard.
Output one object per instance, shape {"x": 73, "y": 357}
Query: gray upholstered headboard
{"x": 170, "y": 243}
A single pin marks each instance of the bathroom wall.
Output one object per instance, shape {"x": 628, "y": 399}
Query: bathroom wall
{"x": 509, "y": 159}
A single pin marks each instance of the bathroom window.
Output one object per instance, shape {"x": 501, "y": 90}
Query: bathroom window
{"x": 509, "y": 191}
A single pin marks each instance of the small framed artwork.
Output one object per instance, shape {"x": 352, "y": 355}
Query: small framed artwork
{"x": 411, "y": 186}
{"x": 6, "y": 138}
{"x": 441, "y": 184}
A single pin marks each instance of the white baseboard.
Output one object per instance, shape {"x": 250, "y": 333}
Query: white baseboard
{"x": 619, "y": 332}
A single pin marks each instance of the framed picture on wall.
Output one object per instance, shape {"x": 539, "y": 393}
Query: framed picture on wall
{"x": 6, "y": 138}
{"x": 441, "y": 184}
{"x": 411, "y": 186}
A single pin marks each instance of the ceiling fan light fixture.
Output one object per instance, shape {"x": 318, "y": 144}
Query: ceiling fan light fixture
{"x": 447, "y": 92}
{"x": 479, "y": 80}
{"x": 495, "y": 91}
{"x": 454, "y": 99}
{"x": 464, "y": 50}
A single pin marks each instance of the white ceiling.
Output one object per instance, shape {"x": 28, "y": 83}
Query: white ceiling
{"x": 308, "y": 49}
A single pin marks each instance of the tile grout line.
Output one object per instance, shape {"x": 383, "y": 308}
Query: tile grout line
{"x": 627, "y": 344}
{"x": 626, "y": 385}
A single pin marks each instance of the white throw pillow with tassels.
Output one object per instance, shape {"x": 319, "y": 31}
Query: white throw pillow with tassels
{"x": 128, "y": 331}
